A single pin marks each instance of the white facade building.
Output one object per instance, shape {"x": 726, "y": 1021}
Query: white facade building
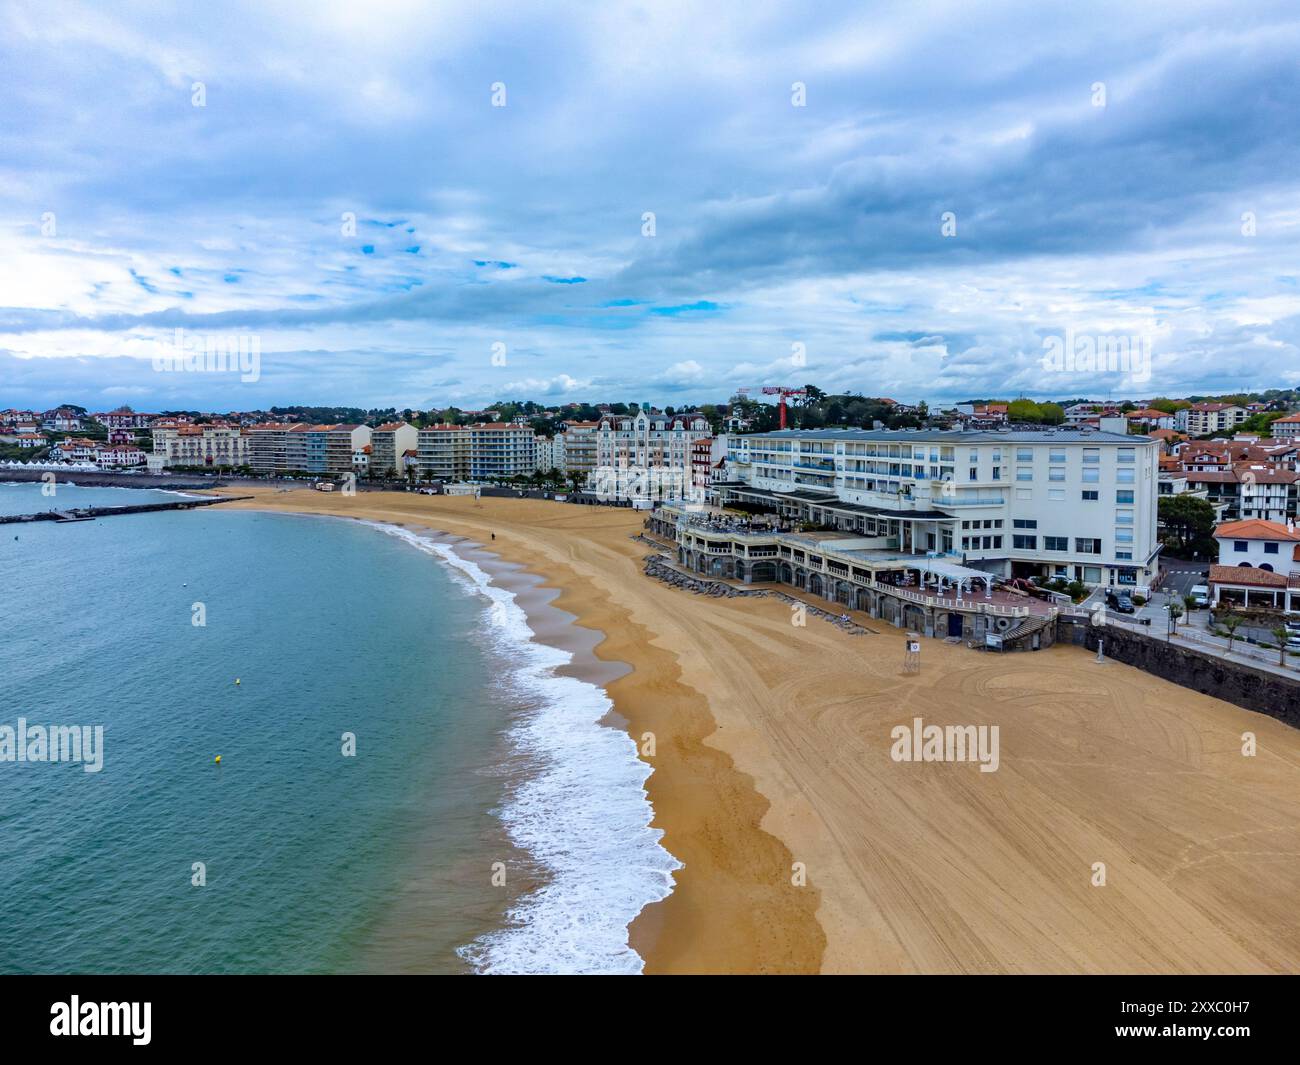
{"x": 1075, "y": 504}
{"x": 1259, "y": 565}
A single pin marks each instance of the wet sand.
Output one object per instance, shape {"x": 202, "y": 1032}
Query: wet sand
{"x": 772, "y": 756}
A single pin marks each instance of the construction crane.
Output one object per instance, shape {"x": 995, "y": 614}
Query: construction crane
{"x": 777, "y": 390}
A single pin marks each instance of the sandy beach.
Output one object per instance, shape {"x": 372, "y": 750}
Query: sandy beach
{"x": 772, "y": 757}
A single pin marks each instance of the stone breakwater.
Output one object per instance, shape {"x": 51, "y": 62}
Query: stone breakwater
{"x": 86, "y": 513}
{"x": 660, "y": 570}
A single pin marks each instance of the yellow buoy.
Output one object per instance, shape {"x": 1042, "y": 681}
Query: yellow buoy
{"x": 217, "y": 759}
{"x": 236, "y": 680}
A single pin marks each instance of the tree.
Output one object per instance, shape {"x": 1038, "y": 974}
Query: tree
{"x": 1175, "y": 612}
{"x": 1281, "y": 634}
{"x": 1024, "y": 410}
{"x": 1189, "y": 523}
{"x": 1231, "y": 622}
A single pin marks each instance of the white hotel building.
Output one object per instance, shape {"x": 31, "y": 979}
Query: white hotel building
{"x": 1077, "y": 504}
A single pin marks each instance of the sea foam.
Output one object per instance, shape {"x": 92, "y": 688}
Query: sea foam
{"x": 584, "y": 815}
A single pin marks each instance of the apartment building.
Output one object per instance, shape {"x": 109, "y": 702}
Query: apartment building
{"x": 303, "y": 448}
{"x": 1070, "y": 503}
{"x": 499, "y": 449}
{"x": 443, "y": 453}
{"x": 550, "y": 454}
{"x": 1202, "y": 418}
{"x": 648, "y": 440}
{"x": 388, "y": 447}
{"x": 211, "y": 444}
{"x": 1287, "y": 428}
{"x": 647, "y": 454}
{"x": 476, "y": 452}
{"x": 578, "y": 448}
{"x": 267, "y": 447}
{"x": 332, "y": 448}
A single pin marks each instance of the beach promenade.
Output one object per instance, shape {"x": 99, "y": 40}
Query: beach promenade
{"x": 807, "y": 848}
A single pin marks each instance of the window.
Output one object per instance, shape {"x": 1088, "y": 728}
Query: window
{"x": 1057, "y": 454}
{"x": 1123, "y": 476}
{"x": 1240, "y": 546}
{"x": 997, "y": 473}
{"x": 1056, "y": 473}
{"x": 1056, "y": 543}
{"x": 1123, "y": 554}
{"x": 1087, "y": 545}
{"x": 974, "y": 474}
{"x": 1124, "y": 495}
{"x": 1123, "y": 536}
{"x": 1024, "y": 473}
{"x": 1089, "y": 494}
{"x": 997, "y": 541}
{"x": 1025, "y": 543}
{"x": 1123, "y": 517}
{"x": 974, "y": 454}
{"x": 997, "y": 454}
{"x": 1024, "y": 454}
{"x": 1270, "y": 549}
{"x": 1056, "y": 495}
{"x": 1126, "y": 454}
{"x": 1092, "y": 574}
{"x": 1091, "y": 475}
{"x": 1091, "y": 454}
{"x": 1024, "y": 523}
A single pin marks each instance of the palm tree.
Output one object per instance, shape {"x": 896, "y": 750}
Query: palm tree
{"x": 1280, "y": 634}
{"x": 1231, "y": 622}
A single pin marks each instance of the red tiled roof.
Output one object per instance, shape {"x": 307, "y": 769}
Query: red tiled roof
{"x": 1256, "y": 529}
{"x": 1247, "y": 575}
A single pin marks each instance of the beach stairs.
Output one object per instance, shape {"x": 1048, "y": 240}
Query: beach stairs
{"x": 1018, "y": 636}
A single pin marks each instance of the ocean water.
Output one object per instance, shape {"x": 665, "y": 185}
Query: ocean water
{"x": 474, "y": 760}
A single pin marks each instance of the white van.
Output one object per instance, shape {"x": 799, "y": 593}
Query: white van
{"x": 1200, "y": 594}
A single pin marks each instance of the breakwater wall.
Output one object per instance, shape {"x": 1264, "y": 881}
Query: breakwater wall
{"x": 1232, "y": 681}
{"x": 86, "y": 513}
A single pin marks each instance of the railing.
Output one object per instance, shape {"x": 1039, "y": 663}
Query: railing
{"x": 939, "y": 501}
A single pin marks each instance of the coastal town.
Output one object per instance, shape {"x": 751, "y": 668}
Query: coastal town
{"x": 962, "y": 522}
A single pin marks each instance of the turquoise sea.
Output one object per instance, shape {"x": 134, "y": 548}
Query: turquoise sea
{"x": 472, "y": 757}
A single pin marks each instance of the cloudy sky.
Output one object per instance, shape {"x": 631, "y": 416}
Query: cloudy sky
{"x": 905, "y": 199}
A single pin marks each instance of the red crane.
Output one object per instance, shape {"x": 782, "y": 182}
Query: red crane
{"x": 777, "y": 390}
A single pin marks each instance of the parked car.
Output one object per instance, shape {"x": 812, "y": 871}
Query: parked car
{"x": 1292, "y": 624}
{"x": 1120, "y": 602}
{"x": 1200, "y": 594}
